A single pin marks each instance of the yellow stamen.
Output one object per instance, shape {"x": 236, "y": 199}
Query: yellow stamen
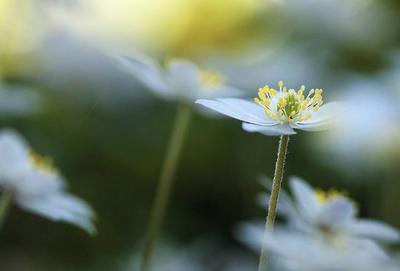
{"x": 324, "y": 196}
{"x": 289, "y": 105}
{"x": 42, "y": 162}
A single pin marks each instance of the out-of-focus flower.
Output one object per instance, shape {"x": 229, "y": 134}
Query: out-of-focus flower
{"x": 22, "y": 29}
{"x": 179, "y": 80}
{"x": 370, "y": 133}
{"x": 278, "y": 112}
{"x": 330, "y": 19}
{"x": 36, "y": 186}
{"x": 322, "y": 233}
{"x": 329, "y": 214}
{"x": 174, "y": 27}
{"x": 18, "y": 101}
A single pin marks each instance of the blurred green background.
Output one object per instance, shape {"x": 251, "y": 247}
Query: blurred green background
{"x": 107, "y": 133}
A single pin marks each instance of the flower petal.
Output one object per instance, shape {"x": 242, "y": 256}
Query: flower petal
{"x": 274, "y": 130}
{"x": 61, "y": 207}
{"x": 321, "y": 120}
{"x": 337, "y": 212}
{"x": 219, "y": 91}
{"x": 239, "y": 109}
{"x": 183, "y": 77}
{"x": 148, "y": 72}
{"x": 305, "y": 197}
{"x": 14, "y": 156}
{"x": 374, "y": 230}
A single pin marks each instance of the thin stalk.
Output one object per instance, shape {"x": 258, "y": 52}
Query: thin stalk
{"x": 273, "y": 201}
{"x": 165, "y": 182}
{"x": 5, "y": 204}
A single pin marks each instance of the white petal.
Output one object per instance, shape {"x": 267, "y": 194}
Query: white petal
{"x": 37, "y": 182}
{"x": 183, "y": 77}
{"x": 326, "y": 117}
{"x": 337, "y": 212}
{"x": 274, "y": 130}
{"x": 61, "y": 207}
{"x": 239, "y": 109}
{"x": 219, "y": 91}
{"x": 14, "y": 157}
{"x": 305, "y": 197}
{"x": 375, "y": 230}
{"x": 148, "y": 72}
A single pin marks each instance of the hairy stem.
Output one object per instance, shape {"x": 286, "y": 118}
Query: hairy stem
{"x": 273, "y": 201}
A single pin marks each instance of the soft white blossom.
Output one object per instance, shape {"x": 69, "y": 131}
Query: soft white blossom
{"x": 369, "y": 134}
{"x": 329, "y": 214}
{"x": 179, "y": 79}
{"x": 278, "y": 112}
{"x": 322, "y": 233}
{"x": 36, "y": 186}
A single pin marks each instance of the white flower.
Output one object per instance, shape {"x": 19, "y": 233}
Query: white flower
{"x": 36, "y": 186}
{"x": 372, "y": 110}
{"x": 329, "y": 215}
{"x": 278, "y": 112}
{"x": 327, "y": 18}
{"x": 179, "y": 80}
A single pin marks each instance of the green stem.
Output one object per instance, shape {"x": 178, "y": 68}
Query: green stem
{"x": 273, "y": 201}
{"x": 5, "y": 204}
{"x": 165, "y": 182}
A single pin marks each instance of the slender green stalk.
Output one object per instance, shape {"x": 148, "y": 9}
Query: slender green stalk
{"x": 273, "y": 201}
{"x": 165, "y": 182}
{"x": 5, "y": 204}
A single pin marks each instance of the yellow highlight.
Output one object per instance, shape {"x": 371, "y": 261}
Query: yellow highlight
{"x": 324, "y": 196}
{"x": 44, "y": 163}
{"x": 210, "y": 78}
{"x": 289, "y": 106}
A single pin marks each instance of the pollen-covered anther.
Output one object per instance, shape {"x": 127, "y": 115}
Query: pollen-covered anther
{"x": 289, "y": 106}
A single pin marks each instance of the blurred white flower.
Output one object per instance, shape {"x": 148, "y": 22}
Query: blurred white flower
{"x": 370, "y": 132}
{"x": 329, "y": 215}
{"x": 36, "y": 185}
{"x": 294, "y": 251}
{"x": 18, "y": 101}
{"x": 179, "y": 80}
{"x": 278, "y": 112}
{"x": 330, "y": 19}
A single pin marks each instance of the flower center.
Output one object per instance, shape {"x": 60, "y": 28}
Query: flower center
{"x": 289, "y": 106}
{"x": 42, "y": 162}
{"x": 210, "y": 78}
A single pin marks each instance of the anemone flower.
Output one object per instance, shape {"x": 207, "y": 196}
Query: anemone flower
{"x": 318, "y": 212}
{"x": 278, "y": 112}
{"x": 183, "y": 81}
{"x": 35, "y": 185}
{"x": 179, "y": 79}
